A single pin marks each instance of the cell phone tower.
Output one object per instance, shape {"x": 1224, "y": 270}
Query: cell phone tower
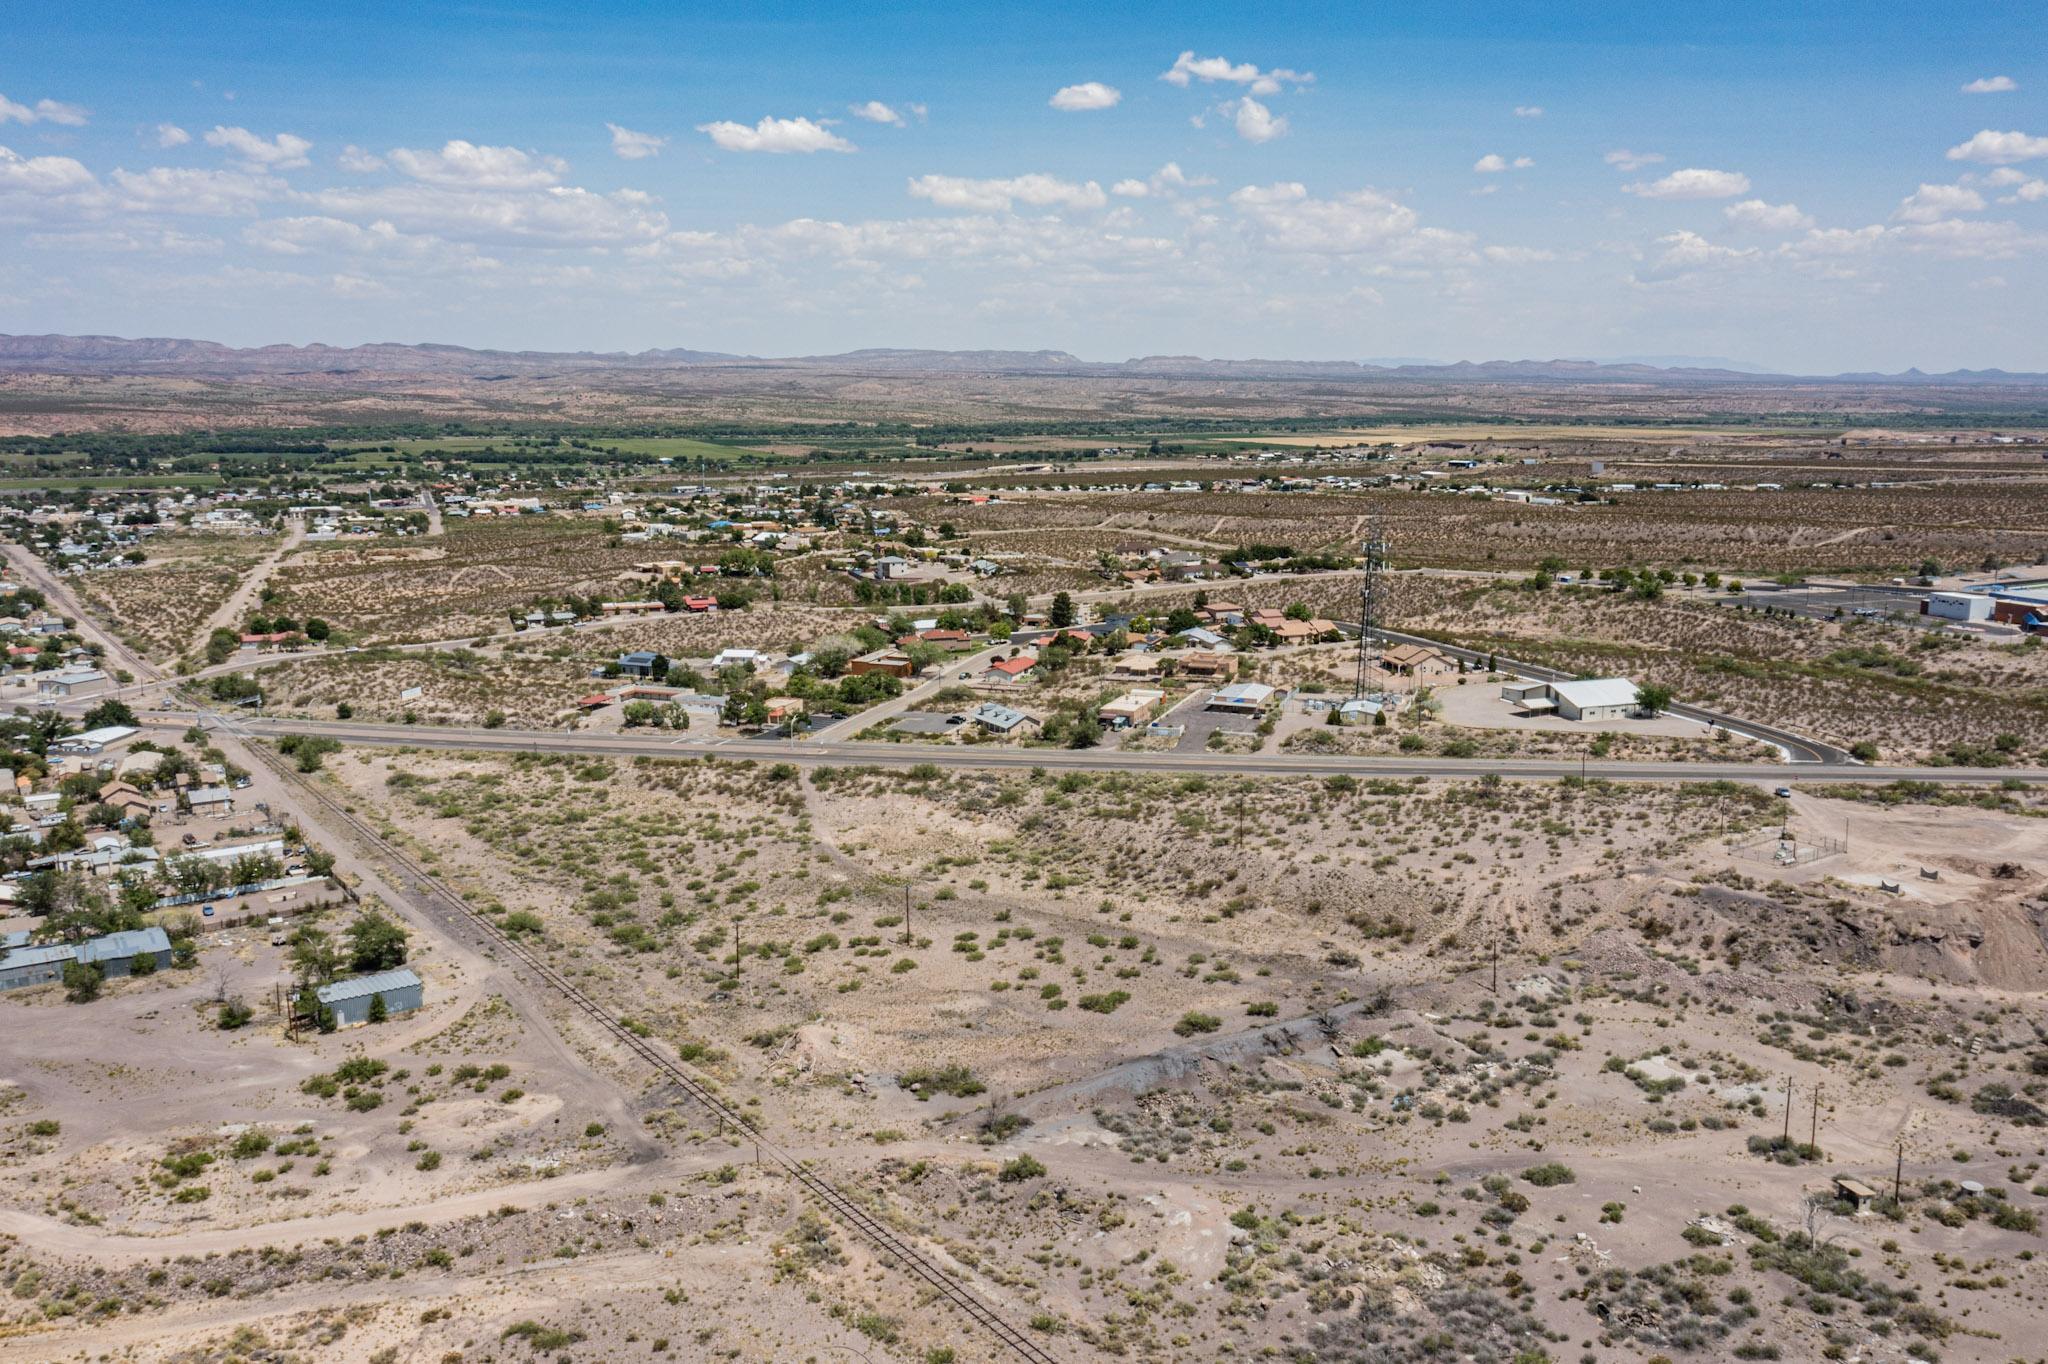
{"x": 1371, "y": 600}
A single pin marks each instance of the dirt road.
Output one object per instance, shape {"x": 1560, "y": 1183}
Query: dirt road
{"x": 230, "y": 612}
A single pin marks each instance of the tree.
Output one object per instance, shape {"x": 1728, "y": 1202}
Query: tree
{"x": 82, "y": 981}
{"x": 375, "y": 944}
{"x": 74, "y": 906}
{"x": 111, "y": 711}
{"x": 1062, "y": 614}
{"x": 378, "y": 1012}
{"x": 1298, "y": 611}
{"x": 315, "y": 959}
{"x": 1652, "y": 697}
{"x": 318, "y": 630}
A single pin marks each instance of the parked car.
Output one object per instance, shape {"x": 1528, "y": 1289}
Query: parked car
{"x": 190, "y": 840}
{"x": 206, "y": 911}
{"x": 1783, "y": 793}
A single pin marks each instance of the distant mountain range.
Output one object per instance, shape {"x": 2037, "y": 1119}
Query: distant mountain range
{"x": 172, "y": 356}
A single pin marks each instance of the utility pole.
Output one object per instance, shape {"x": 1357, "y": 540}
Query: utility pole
{"x": 1496, "y": 961}
{"x": 1899, "y": 1170}
{"x": 1240, "y": 819}
{"x": 1369, "y": 600}
{"x": 1788, "y": 1110}
{"x": 1813, "y": 1137}
{"x": 738, "y": 953}
{"x": 906, "y": 911}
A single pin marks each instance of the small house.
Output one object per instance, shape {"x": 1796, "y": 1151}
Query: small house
{"x": 1008, "y": 671}
{"x": 639, "y": 663}
{"x": 1416, "y": 660}
{"x": 894, "y": 662}
{"x": 999, "y": 719}
{"x": 1134, "y": 707}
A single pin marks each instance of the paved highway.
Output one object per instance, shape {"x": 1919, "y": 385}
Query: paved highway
{"x": 812, "y": 753}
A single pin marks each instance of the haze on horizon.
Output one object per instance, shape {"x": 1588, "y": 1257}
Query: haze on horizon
{"x": 1816, "y": 189}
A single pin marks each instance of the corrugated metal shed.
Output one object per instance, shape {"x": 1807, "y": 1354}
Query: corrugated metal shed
{"x": 124, "y": 945}
{"x": 361, "y": 987}
{"x": 401, "y": 990}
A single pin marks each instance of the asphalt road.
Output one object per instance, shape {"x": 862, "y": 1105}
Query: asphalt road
{"x": 813, "y": 753}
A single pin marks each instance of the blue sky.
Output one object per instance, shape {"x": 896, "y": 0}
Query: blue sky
{"x": 1817, "y": 187}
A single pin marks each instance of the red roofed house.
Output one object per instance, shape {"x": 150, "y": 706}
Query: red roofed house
{"x": 275, "y": 640}
{"x": 1005, "y": 671}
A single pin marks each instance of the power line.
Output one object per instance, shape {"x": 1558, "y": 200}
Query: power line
{"x": 839, "y": 1204}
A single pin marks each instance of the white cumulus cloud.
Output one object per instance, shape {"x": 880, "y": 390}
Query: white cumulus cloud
{"x": 204, "y": 193}
{"x": 628, "y": 145}
{"x": 1168, "y": 180}
{"x": 1688, "y": 252}
{"x": 874, "y": 111}
{"x": 42, "y": 174}
{"x": 1621, "y": 158}
{"x": 286, "y": 151}
{"x": 469, "y": 165}
{"x": 1493, "y": 163}
{"x": 1255, "y": 122}
{"x": 1759, "y": 216}
{"x": 996, "y": 196}
{"x": 354, "y": 158}
{"x": 1991, "y": 85}
{"x": 1528, "y": 111}
{"x": 43, "y": 111}
{"x": 171, "y": 135}
{"x": 1286, "y": 217}
{"x": 1085, "y": 96}
{"x": 1693, "y": 183}
{"x": 1932, "y": 203}
{"x": 1999, "y": 149}
{"x": 1188, "y": 67}
{"x": 779, "y": 135}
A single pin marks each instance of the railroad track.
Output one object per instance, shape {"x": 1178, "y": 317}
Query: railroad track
{"x": 839, "y": 1204}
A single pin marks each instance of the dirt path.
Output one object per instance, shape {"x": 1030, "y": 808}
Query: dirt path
{"x": 584, "y": 1278}
{"x": 33, "y": 572}
{"x": 231, "y": 611}
{"x": 50, "y": 1236}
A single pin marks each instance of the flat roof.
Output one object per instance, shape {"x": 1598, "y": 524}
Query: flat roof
{"x": 104, "y": 735}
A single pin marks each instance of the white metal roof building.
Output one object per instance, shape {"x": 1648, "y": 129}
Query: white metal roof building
{"x": 1244, "y": 696}
{"x": 1597, "y": 698}
{"x": 94, "y": 741}
{"x": 402, "y": 992}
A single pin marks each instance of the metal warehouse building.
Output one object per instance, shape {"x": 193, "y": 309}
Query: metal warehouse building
{"x": 402, "y": 989}
{"x": 1598, "y": 698}
{"x": 114, "y": 954}
{"x": 43, "y": 965}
